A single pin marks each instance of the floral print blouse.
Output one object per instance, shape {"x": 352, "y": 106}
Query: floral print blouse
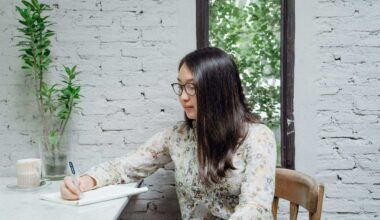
{"x": 245, "y": 193}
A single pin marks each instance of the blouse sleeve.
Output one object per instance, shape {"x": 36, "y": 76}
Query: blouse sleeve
{"x": 257, "y": 188}
{"x": 152, "y": 155}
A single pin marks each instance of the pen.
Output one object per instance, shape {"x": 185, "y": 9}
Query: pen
{"x": 75, "y": 177}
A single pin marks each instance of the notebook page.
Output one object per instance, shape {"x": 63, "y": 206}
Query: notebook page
{"x": 98, "y": 195}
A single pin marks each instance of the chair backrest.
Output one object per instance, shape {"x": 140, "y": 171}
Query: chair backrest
{"x": 300, "y": 190}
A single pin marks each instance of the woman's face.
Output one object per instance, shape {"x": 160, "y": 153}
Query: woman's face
{"x": 188, "y": 102}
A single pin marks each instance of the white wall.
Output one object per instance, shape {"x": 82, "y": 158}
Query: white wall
{"x": 337, "y": 103}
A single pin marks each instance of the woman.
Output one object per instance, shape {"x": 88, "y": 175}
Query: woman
{"x": 224, "y": 158}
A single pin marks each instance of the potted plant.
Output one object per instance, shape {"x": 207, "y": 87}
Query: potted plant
{"x": 55, "y": 103}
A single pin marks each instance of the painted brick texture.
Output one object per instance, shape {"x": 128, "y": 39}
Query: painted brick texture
{"x": 127, "y": 52}
{"x": 346, "y": 106}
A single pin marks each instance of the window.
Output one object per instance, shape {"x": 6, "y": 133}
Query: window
{"x": 286, "y": 58}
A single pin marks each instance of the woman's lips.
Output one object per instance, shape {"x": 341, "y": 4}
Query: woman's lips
{"x": 188, "y": 107}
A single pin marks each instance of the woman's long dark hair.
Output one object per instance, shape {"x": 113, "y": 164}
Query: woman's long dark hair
{"x": 223, "y": 115}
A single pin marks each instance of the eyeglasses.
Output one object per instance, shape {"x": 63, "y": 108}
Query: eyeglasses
{"x": 178, "y": 88}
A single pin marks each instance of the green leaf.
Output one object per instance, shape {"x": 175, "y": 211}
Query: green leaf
{"x": 46, "y": 52}
{"x": 35, "y": 16}
{"x": 36, "y": 4}
{"x": 73, "y": 69}
{"x": 29, "y": 63}
{"x": 45, "y": 6}
{"x": 27, "y": 4}
{"x": 43, "y": 19}
{"x": 23, "y": 22}
{"x": 41, "y": 46}
{"x": 22, "y": 12}
{"x": 67, "y": 69}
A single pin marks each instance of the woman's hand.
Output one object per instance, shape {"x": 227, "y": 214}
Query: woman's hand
{"x": 70, "y": 191}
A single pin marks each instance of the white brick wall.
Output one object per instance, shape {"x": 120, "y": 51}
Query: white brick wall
{"x": 337, "y": 103}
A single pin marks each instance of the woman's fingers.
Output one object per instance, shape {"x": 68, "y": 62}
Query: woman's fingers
{"x": 69, "y": 190}
{"x": 67, "y": 194}
{"x": 86, "y": 183}
{"x": 70, "y": 183}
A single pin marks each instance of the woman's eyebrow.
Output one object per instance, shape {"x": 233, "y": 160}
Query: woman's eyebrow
{"x": 188, "y": 80}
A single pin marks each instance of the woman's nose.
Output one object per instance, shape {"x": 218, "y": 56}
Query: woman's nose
{"x": 184, "y": 95}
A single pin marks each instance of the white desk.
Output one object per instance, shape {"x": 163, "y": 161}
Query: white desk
{"x": 15, "y": 205}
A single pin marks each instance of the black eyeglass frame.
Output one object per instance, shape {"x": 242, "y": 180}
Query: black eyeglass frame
{"x": 183, "y": 88}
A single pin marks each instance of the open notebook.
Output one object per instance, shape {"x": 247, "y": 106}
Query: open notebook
{"x": 98, "y": 195}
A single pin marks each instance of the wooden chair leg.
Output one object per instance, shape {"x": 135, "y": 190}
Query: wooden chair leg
{"x": 293, "y": 211}
{"x": 275, "y": 208}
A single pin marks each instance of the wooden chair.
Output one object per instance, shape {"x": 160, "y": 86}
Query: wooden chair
{"x": 300, "y": 190}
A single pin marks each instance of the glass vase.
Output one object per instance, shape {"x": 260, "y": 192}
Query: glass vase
{"x": 55, "y": 153}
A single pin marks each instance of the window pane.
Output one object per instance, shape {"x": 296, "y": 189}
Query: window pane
{"x": 250, "y": 31}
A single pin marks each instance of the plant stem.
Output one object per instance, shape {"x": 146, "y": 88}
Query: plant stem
{"x": 64, "y": 122}
{"x": 38, "y": 76}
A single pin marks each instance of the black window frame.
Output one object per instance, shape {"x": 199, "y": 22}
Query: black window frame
{"x": 287, "y": 71}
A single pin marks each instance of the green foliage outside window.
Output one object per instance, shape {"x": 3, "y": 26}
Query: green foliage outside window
{"x": 251, "y": 34}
